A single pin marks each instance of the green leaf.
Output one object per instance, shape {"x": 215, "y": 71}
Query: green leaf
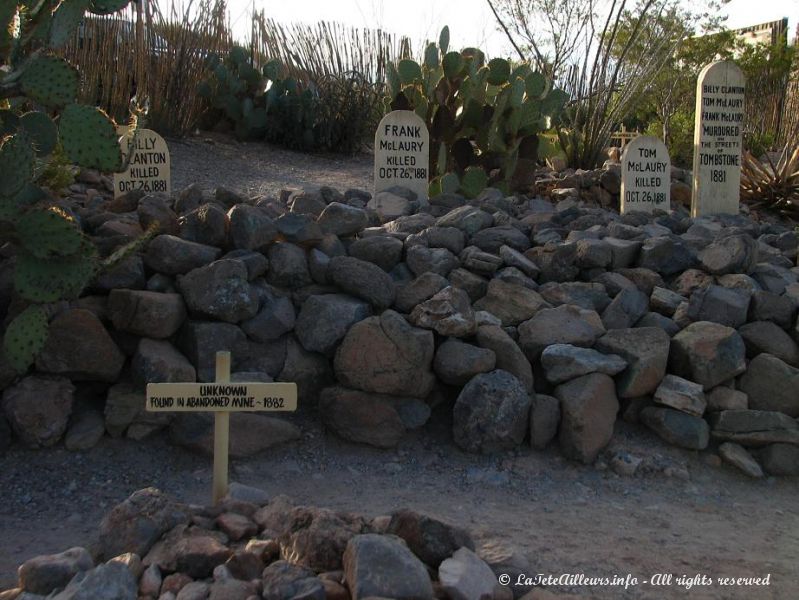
{"x": 50, "y": 279}
{"x": 431, "y": 56}
{"x": 536, "y": 85}
{"x": 89, "y": 138}
{"x": 474, "y": 181}
{"x": 453, "y": 64}
{"x": 16, "y": 164}
{"x": 48, "y": 233}
{"x": 66, "y": 19}
{"x": 41, "y": 130}
{"x": 443, "y": 39}
{"x": 50, "y": 80}
{"x": 498, "y": 71}
{"x": 25, "y": 337}
{"x": 409, "y": 71}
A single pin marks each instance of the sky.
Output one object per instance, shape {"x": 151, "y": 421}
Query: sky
{"x": 471, "y": 22}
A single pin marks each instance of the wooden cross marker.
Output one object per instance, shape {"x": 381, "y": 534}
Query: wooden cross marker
{"x": 221, "y": 397}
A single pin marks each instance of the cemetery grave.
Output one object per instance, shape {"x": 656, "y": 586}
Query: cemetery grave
{"x": 620, "y": 323}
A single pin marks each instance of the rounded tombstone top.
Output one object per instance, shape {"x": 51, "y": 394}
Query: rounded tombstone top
{"x": 402, "y": 153}
{"x": 723, "y": 72}
{"x": 645, "y": 175}
{"x": 148, "y": 165}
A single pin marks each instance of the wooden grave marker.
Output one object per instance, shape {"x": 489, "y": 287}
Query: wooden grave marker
{"x": 718, "y": 139}
{"x": 645, "y": 175}
{"x": 149, "y": 168}
{"x": 221, "y": 397}
{"x": 402, "y": 153}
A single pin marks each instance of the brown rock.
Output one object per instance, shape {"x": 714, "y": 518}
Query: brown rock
{"x": 361, "y": 417}
{"x": 46, "y": 573}
{"x": 148, "y": 314}
{"x": 236, "y": 526}
{"x": 38, "y": 409}
{"x": 159, "y": 361}
{"x": 588, "y": 406}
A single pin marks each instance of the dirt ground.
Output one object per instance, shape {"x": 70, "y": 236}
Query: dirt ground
{"x": 679, "y": 515}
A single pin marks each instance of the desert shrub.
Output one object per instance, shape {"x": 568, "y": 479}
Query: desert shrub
{"x": 484, "y": 117}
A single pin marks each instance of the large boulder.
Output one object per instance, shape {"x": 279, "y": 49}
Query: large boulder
{"x": 421, "y": 259}
{"x": 378, "y": 566}
{"x": 382, "y": 250}
{"x": 431, "y": 540}
{"x": 465, "y": 576}
{"x": 325, "y": 319}
{"x": 731, "y": 254}
{"x": 448, "y": 313}
{"x": 563, "y": 362}
{"x": 588, "y": 407}
{"x": 677, "y": 427}
{"x": 362, "y": 279}
{"x": 457, "y": 362}
{"x": 468, "y": 219}
{"x": 79, "y": 347}
{"x": 491, "y": 413}
{"x": 46, "y": 573}
{"x": 754, "y": 427}
{"x": 386, "y": 355}
{"x": 148, "y": 314}
{"x": 509, "y": 357}
{"x": 511, "y": 303}
{"x": 646, "y": 350}
{"x": 681, "y": 394}
{"x": 172, "y": 256}
{"x": 111, "y": 581}
{"x": 199, "y": 341}
{"x": 342, "y": 220}
{"x": 288, "y": 266}
{"x": 565, "y": 324}
{"x": 627, "y": 307}
{"x": 707, "y": 353}
{"x": 275, "y": 318}
{"x": 771, "y": 385}
{"x": 765, "y": 337}
{"x": 417, "y": 291}
{"x": 251, "y": 228}
{"x": 206, "y": 224}
{"x": 158, "y": 361}
{"x": 720, "y": 305}
{"x": 361, "y": 417}
{"x": 38, "y": 409}
{"x": 221, "y": 291}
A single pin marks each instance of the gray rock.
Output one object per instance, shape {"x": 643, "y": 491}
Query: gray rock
{"x": 448, "y": 313}
{"x": 562, "y": 325}
{"x": 664, "y": 301}
{"x": 737, "y": 456}
{"x": 666, "y": 255}
{"x": 283, "y": 580}
{"x": 85, "y": 431}
{"x": 593, "y": 254}
{"x": 468, "y": 219}
{"x": 324, "y": 320}
{"x": 288, "y": 266}
{"x": 472, "y": 284}
{"x": 707, "y": 353}
{"x": 383, "y": 566}
{"x": 780, "y": 459}
{"x": 49, "y": 572}
{"x": 492, "y": 239}
{"x": 491, "y": 413}
{"x": 362, "y": 279}
{"x": 646, "y": 280}
{"x": 342, "y": 220}
{"x": 38, "y": 409}
{"x": 677, "y": 427}
{"x": 509, "y": 357}
{"x": 658, "y": 321}
{"x": 79, "y": 347}
{"x": 646, "y": 351}
{"x": 724, "y": 398}
{"x": 513, "y": 304}
{"x": 766, "y": 337}
{"x": 128, "y": 274}
{"x": 318, "y": 263}
{"x": 123, "y": 403}
{"x": 767, "y": 306}
{"x": 417, "y": 291}
{"x": 465, "y": 576}
{"x": 456, "y": 362}
{"x": 588, "y": 407}
{"x": 624, "y": 253}
{"x": 389, "y": 206}
{"x": 251, "y": 228}
{"x": 275, "y": 318}
{"x": 591, "y": 296}
{"x": 771, "y": 385}
{"x": 157, "y": 361}
{"x": 483, "y": 263}
{"x": 199, "y": 341}
{"x": 299, "y": 228}
{"x": 173, "y": 256}
{"x": 450, "y": 238}
{"x": 309, "y": 370}
{"x": 421, "y": 259}
{"x": 514, "y": 258}
{"x": 382, "y": 250}
{"x": 221, "y": 291}
{"x": 720, "y": 305}
{"x": 431, "y": 540}
{"x": 773, "y": 278}
{"x": 507, "y": 559}
{"x": 544, "y": 420}
{"x": 410, "y": 224}
{"x": 386, "y": 355}
{"x": 679, "y": 393}
{"x": 731, "y": 254}
{"x": 626, "y": 308}
{"x": 111, "y": 581}
{"x": 207, "y": 225}
{"x": 563, "y": 362}
{"x": 307, "y": 202}
{"x": 148, "y": 314}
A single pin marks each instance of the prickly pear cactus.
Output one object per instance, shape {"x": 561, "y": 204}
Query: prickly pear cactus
{"x": 484, "y": 118}
{"x": 54, "y": 260}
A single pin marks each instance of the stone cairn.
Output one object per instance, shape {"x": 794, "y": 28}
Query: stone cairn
{"x": 534, "y": 319}
{"x": 151, "y": 548}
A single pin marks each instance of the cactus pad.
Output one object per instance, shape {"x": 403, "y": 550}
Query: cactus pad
{"x": 474, "y": 181}
{"x": 89, "y": 138}
{"x": 51, "y": 81}
{"x": 41, "y": 130}
{"x": 9, "y": 122}
{"x": 443, "y": 39}
{"x": 498, "y": 71}
{"x": 51, "y": 279}
{"x": 50, "y": 232}
{"x": 16, "y": 164}
{"x": 65, "y": 20}
{"x": 409, "y": 71}
{"x": 106, "y": 7}
{"x": 25, "y": 337}
{"x": 273, "y": 70}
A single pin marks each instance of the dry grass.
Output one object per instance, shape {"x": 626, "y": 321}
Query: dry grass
{"x": 772, "y": 184}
